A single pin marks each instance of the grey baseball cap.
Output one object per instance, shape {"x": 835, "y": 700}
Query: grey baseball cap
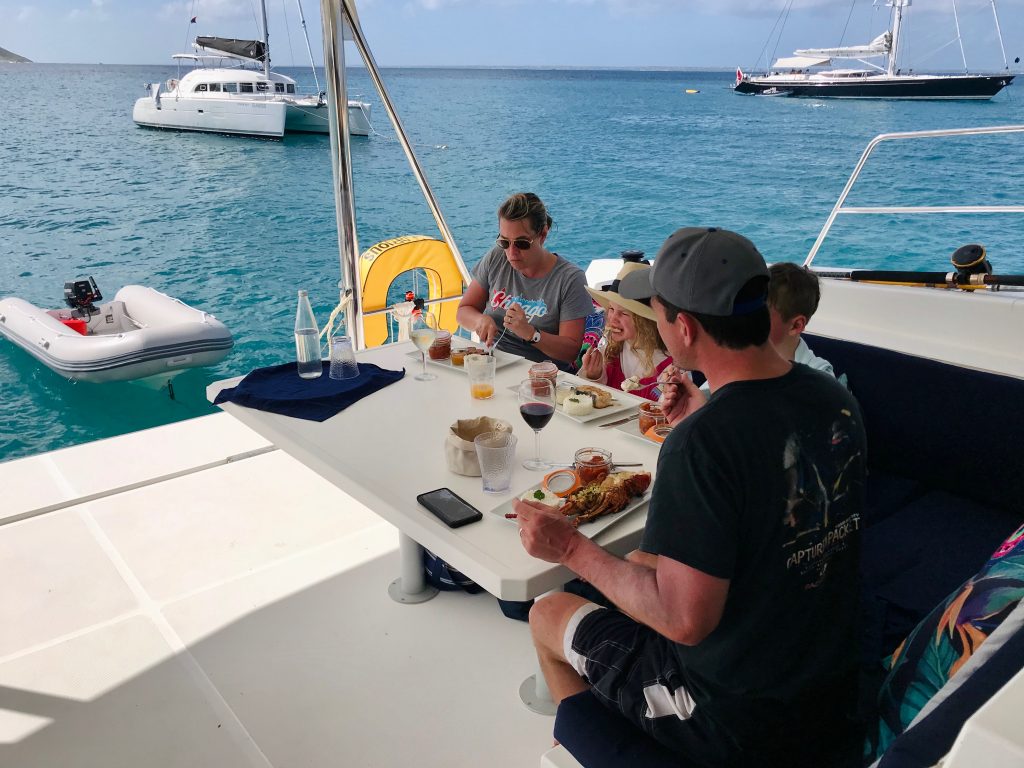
{"x": 702, "y": 270}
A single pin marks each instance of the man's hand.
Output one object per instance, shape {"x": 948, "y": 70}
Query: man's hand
{"x": 593, "y": 364}
{"x": 546, "y": 533}
{"x": 680, "y": 397}
{"x": 486, "y": 329}
{"x": 517, "y": 322}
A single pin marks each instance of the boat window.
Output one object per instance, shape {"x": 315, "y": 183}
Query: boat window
{"x": 201, "y": 87}
{"x": 262, "y": 87}
{"x": 278, "y": 87}
{"x": 229, "y": 87}
{"x": 291, "y": 87}
{"x": 215, "y": 87}
{"x": 245, "y": 87}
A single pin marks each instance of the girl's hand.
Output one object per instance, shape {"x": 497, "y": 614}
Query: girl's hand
{"x": 593, "y": 364}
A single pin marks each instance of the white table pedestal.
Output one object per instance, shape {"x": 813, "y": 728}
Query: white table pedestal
{"x": 410, "y": 587}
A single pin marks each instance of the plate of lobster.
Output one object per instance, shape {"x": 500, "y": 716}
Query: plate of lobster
{"x": 593, "y": 507}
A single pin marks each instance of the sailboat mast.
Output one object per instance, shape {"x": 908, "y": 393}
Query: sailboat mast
{"x": 305, "y": 34}
{"x": 897, "y": 23}
{"x": 266, "y": 41}
{"x": 999, "y": 32}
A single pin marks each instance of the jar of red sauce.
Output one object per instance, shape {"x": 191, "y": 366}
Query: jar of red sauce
{"x": 546, "y": 370}
{"x": 593, "y": 465}
{"x": 441, "y": 349}
{"x": 651, "y": 415}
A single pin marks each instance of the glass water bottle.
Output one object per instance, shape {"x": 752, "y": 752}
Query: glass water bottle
{"x": 307, "y": 340}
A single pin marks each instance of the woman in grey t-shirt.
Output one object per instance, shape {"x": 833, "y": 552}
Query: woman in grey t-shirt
{"x": 535, "y": 296}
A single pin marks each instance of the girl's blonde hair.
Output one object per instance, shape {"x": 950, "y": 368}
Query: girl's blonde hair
{"x": 646, "y": 343}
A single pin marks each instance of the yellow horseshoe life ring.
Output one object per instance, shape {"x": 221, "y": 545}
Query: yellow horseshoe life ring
{"x": 380, "y": 264}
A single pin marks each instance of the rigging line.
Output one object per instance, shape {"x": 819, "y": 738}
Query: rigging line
{"x": 778, "y": 40}
{"x": 842, "y": 37}
{"x": 956, "y": 20}
{"x": 188, "y": 28}
{"x": 764, "y": 48}
{"x": 999, "y": 33}
{"x": 288, "y": 33}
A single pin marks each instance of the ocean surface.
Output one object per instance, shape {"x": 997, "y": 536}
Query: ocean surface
{"x": 235, "y": 226}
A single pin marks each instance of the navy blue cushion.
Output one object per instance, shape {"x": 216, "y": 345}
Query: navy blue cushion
{"x": 913, "y": 559}
{"x": 944, "y": 426}
{"x": 598, "y": 737}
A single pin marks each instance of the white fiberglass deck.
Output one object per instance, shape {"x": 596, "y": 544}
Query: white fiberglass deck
{"x": 194, "y": 598}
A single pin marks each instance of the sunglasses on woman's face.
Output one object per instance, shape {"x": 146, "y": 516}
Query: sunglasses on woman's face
{"x": 521, "y": 243}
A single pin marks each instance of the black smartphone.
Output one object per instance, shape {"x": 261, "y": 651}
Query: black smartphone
{"x": 450, "y": 508}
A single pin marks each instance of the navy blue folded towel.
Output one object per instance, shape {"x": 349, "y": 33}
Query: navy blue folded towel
{"x": 279, "y": 389}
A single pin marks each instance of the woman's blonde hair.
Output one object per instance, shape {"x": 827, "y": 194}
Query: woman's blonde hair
{"x": 646, "y": 343}
{"x": 526, "y": 205}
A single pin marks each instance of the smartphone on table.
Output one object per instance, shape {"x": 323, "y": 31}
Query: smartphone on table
{"x": 449, "y": 507}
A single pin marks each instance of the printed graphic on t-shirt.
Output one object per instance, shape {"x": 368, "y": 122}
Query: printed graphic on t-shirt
{"x": 816, "y": 512}
{"x": 501, "y": 299}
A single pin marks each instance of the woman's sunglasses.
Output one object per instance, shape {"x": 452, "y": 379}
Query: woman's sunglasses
{"x": 521, "y": 243}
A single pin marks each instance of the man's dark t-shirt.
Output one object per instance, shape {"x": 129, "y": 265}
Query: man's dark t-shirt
{"x": 764, "y": 486}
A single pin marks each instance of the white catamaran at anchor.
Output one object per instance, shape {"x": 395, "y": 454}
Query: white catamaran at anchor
{"x": 805, "y": 73}
{"x": 224, "y": 95}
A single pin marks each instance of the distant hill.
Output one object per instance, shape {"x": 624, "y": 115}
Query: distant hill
{"x": 7, "y": 56}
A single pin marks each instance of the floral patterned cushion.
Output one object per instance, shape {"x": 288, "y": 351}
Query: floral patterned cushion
{"x": 945, "y": 639}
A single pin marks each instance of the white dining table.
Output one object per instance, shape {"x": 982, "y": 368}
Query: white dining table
{"x": 388, "y": 447}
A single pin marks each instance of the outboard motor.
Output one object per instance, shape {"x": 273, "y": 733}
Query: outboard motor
{"x": 633, "y": 256}
{"x": 82, "y": 295}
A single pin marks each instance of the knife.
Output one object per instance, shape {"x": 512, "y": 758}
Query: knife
{"x": 615, "y": 464}
{"x": 619, "y": 421}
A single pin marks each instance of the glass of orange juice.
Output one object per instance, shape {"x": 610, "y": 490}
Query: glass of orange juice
{"x": 480, "y": 369}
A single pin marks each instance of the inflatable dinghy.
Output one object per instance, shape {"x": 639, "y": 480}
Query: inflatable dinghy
{"x": 141, "y": 333}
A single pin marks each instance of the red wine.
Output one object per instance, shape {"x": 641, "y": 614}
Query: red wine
{"x": 537, "y": 415}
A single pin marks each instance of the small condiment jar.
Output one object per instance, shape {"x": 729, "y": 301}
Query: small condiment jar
{"x": 561, "y": 482}
{"x": 593, "y": 465}
{"x": 441, "y": 349}
{"x": 546, "y": 370}
{"x": 459, "y": 356}
{"x": 651, "y": 415}
{"x": 658, "y": 433}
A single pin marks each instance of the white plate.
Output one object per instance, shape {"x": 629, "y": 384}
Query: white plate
{"x": 621, "y": 402}
{"x": 589, "y": 529}
{"x": 502, "y": 359}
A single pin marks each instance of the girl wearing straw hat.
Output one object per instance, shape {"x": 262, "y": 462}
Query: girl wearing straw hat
{"x": 635, "y": 354}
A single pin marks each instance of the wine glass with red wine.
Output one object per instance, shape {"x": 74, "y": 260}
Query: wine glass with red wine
{"x": 537, "y": 406}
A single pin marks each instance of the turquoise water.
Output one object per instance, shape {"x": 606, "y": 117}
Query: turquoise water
{"x": 235, "y": 226}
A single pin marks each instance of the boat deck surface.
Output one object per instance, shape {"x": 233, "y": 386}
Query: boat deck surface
{"x": 189, "y": 596}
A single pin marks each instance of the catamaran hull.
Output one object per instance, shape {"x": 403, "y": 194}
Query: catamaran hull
{"x": 262, "y": 119}
{"x": 163, "y": 337}
{"x": 910, "y": 87}
{"x": 311, "y": 116}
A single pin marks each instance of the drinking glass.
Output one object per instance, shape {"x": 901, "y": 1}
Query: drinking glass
{"x": 343, "y": 359}
{"x": 423, "y": 331}
{"x": 480, "y": 369}
{"x": 537, "y": 406}
{"x": 495, "y": 453}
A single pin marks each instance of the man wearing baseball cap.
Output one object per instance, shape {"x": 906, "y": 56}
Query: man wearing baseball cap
{"x": 734, "y": 642}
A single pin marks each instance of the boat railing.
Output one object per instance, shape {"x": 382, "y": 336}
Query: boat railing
{"x": 840, "y": 207}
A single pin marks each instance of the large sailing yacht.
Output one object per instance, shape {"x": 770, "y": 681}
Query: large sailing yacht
{"x": 805, "y": 73}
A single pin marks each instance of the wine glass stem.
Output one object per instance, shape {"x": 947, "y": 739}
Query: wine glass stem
{"x": 423, "y": 357}
{"x": 536, "y": 445}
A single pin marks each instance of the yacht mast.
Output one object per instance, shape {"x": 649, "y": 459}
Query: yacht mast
{"x": 305, "y": 34}
{"x": 897, "y": 22}
{"x": 266, "y": 41}
{"x": 999, "y": 32}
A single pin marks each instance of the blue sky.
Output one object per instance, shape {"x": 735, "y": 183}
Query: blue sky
{"x": 538, "y": 33}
